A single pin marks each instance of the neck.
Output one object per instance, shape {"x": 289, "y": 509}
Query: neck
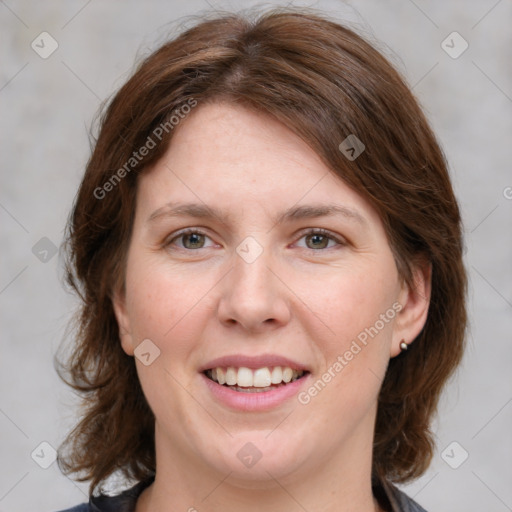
{"x": 341, "y": 483}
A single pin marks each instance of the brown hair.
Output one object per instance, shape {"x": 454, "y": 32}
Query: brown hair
{"x": 324, "y": 83}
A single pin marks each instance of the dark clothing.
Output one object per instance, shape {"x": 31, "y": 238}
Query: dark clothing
{"x": 389, "y": 497}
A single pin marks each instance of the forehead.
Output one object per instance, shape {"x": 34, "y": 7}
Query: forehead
{"x": 236, "y": 158}
{"x": 222, "y": 134}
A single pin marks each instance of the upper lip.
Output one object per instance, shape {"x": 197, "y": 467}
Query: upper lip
{"x": 253, "y": 362}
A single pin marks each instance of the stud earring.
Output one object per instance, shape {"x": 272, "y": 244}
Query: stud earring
{"x": 403, "y": 346}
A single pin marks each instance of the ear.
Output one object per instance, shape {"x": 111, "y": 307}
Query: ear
{"x": 123, "y": 322}
{"x": 415, "y": 301}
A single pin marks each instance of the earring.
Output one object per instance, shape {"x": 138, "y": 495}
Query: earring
{"x": 403, "y": 346}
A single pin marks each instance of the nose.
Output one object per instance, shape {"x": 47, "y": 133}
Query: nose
{"x": 253, "y": 296}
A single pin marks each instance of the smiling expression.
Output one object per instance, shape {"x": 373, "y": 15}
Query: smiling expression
{"x": 248, "y": 253}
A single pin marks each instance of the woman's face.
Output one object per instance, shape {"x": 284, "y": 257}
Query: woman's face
{"x": 248, "y": 255}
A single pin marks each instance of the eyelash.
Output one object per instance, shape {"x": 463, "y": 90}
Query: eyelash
{"x": 311, "y": 231}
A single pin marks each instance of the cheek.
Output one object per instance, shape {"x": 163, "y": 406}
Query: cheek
{"x": 164, "y": 307}
{"x": 152, "y": 297}
{"x": 357, "y": 308}
{"x": 352, "y": 303}
{"x": 167, "y": 307}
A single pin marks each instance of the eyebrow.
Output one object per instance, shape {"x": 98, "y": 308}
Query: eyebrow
{"x": 199, "y": 210}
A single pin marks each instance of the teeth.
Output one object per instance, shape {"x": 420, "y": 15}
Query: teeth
{"x": 231, "y": 376}
{"x": 260, "y": 378}
{"x": 244, "y": 377}
{"x": 287, "y": 374}
{"x": 219, "y": 375}
{"x": 277, "y": 375}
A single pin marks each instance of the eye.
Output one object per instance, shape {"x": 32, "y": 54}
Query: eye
{"x": 193, "y": 239}
{"x": 316, "y": 239}
{"x": 190, "y": 239}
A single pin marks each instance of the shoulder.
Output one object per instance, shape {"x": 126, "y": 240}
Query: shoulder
{"x": 404, "y": 503}
{"x": 84, "y": 507}
{"x": 392, "y": 499}
{"x": 124, "y": 502}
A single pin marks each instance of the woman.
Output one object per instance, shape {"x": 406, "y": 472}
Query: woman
{"x": 269, "y": 254}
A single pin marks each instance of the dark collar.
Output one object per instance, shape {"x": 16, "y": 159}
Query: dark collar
{"x": 124, "y": 502}
{"x": 390, "y": 498}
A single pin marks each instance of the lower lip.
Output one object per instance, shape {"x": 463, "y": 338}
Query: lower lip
{"x": 257, "y": 401}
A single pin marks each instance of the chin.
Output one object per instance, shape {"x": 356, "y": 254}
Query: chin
{"x": 255, "y": 460}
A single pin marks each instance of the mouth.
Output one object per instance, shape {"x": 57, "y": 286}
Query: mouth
{"x": 259, "y": 380}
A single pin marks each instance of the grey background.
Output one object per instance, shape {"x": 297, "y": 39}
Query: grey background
{"x": 47, "y": 106}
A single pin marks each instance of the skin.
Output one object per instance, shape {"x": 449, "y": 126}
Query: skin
{"x": 304, "y": 297}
